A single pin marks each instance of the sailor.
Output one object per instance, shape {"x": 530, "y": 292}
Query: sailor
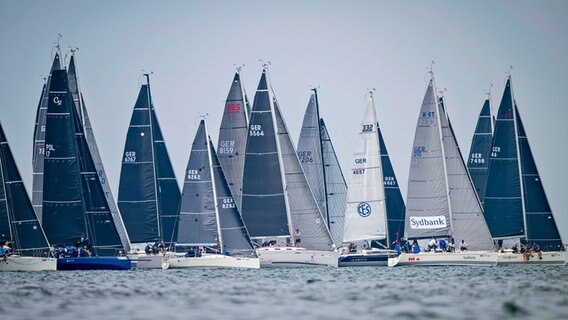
{"x": 297, "y": 239}
{"x": 432, "y": 244}
{"x": 398, "y": 247}
{"x": 442, "y": 245}
{"x": 463, "y": 246}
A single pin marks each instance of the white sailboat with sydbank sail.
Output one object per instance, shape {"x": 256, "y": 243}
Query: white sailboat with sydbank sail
{"x": 278, "y": 206}
{"x": 442, "y": 202}
{"x": 516, "y": 206}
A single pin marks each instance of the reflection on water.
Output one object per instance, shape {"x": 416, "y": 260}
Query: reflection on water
{"x": 539, "y": 292}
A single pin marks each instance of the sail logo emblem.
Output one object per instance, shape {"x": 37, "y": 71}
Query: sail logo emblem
{"x": 57, "y": 101}
{"x": 364, "y": 209}
{"x": 436, "y": 222}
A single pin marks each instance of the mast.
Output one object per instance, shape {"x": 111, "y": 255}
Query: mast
{"x": 443, "y": 154}
{"x": 382, "y": 185}
{"x": 322, "y": 159}
{"x": 279, "y": 150}
{"x": 214, "y": 187}
{"x": 150, "y": 106}
{"x": 518, "y": 156}
{"x": 243, "y": 93}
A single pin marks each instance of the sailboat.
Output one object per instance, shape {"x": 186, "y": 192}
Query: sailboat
{"x": 76, "y": 216}
{"x": 233, "y": 137}
{"x": 79, "y": 102}
{"x": 516, "y": 207}
{"x": 478, "y": 161}
{"x": 210, "y": 223}
{"x": 39, "y": 140}
{"x": 277, "y": 202}
{"x": 18, "y": 221}
{"x": 366, "y": 209}
{"x": 148, "y": 193}
{"x": 320, "y": 164}
{"x": 441, "y": 201}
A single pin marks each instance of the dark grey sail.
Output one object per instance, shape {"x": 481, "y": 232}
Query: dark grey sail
{"x": 79, "y": 102}
{"x": 395, "y": 208}
{"x": 74, "y": 202}
{"x": 515, "y": 193}
{"x": 478, "y": 161}
{"x": 148, "y": 194}
{"x": 39, "y": 142}
{"x": 233, "y": 137}
{"x": 18, "y": 220}
{"x": 198, "y": 219}
{"x": 264, "y": 207}
{"x": 336, "y": 188}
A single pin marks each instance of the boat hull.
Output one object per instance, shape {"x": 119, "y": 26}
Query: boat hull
{"x": 366, "y": 258}
{"x": 23, "y": 263}
{"x": 144, "y": 261}
{"x": 278, "y": 257}
{"x": 214, "y": 261}
{"x": 94, "y": 263}
{"x": 472, "y": 258}
{"x": 548, "y": 257}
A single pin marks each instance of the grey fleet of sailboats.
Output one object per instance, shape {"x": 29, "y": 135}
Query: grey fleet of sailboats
{"x": 256, "y": 201}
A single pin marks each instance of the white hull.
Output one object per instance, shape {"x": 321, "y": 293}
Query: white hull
{"x": 214, "y": 261}
{"x": 144, "y": 261}
{"x": 549, "y": 257}
{"x": 471, "y": 258}
{"x": 296, "y": 257}
{"x": 22, "y": 263}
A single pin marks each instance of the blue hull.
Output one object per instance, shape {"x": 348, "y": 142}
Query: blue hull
{"x": 94, "y": 263}
{"x": 364, "y": 260}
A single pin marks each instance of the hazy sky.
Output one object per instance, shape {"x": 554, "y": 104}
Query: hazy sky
{"x": 344, "y": 47}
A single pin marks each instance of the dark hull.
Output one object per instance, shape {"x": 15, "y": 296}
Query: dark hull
{"x": 94, "y": 263}
{"x": 364, "y": 260}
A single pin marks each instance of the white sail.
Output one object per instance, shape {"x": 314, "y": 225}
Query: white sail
{"x": 365, "y": 217}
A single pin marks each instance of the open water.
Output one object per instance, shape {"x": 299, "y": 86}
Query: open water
{"x": 524, "y": 292}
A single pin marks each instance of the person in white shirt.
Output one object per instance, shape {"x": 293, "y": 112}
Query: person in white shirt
{"x": 463, "y": 246}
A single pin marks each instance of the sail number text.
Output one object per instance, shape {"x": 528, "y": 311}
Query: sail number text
{"x": 428, "y": 114}
{"x": 477, "y": 158}
{"x": 495, "y": 151}
{"x": 390, "y": 181}
{"x": 256, "y": 130}
{"x": 130, "y": 156}
{"x": 233, "y": 107}
{"x": 227, "y": 146}
{"x": 228, "y": 203}
{"x": 305, "y": 157}
{"x": 48, "y": 149}
{"x": 193, "y": 175}
{"x": 367, "y": 128}
{"x": 417, "y": 152}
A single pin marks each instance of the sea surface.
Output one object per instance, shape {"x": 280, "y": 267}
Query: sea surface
{"x": 523, "y": 292}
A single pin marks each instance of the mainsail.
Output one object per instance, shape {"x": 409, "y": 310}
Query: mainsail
{"x": 79, "y": 102}
{"x": 148, "y": 194}
{"x": 322, "y": 170}
{"x": 516, "y": 205}
{"x": 18, "y": 220}
{"x": 478, "y": 162}
{"x": 74, "y": 203}
{"x": 264, "y": 207}
{"x": 441, "y": 199}
{"x": 365, "y": 211}
{"x": 39, "y": 141}
{"x": 209, "y": 215}
{"x": 233, "y": 137}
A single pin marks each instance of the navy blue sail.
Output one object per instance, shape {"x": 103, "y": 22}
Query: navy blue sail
{"x": 148, "y": 194}
{"x": 263, "y": 203}
{"x": 74, "y": 203}
{"x": 478, "y": 161}
{"x": 395, "y": 208}
{"x": 39, "y": 141}
{"x": 503, "y": 199}
{"x": 18, "y": 220}
{"x": 541, "y": 226}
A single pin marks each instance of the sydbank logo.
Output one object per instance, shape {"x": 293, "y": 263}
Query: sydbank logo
{"x": 428, "y": 222}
